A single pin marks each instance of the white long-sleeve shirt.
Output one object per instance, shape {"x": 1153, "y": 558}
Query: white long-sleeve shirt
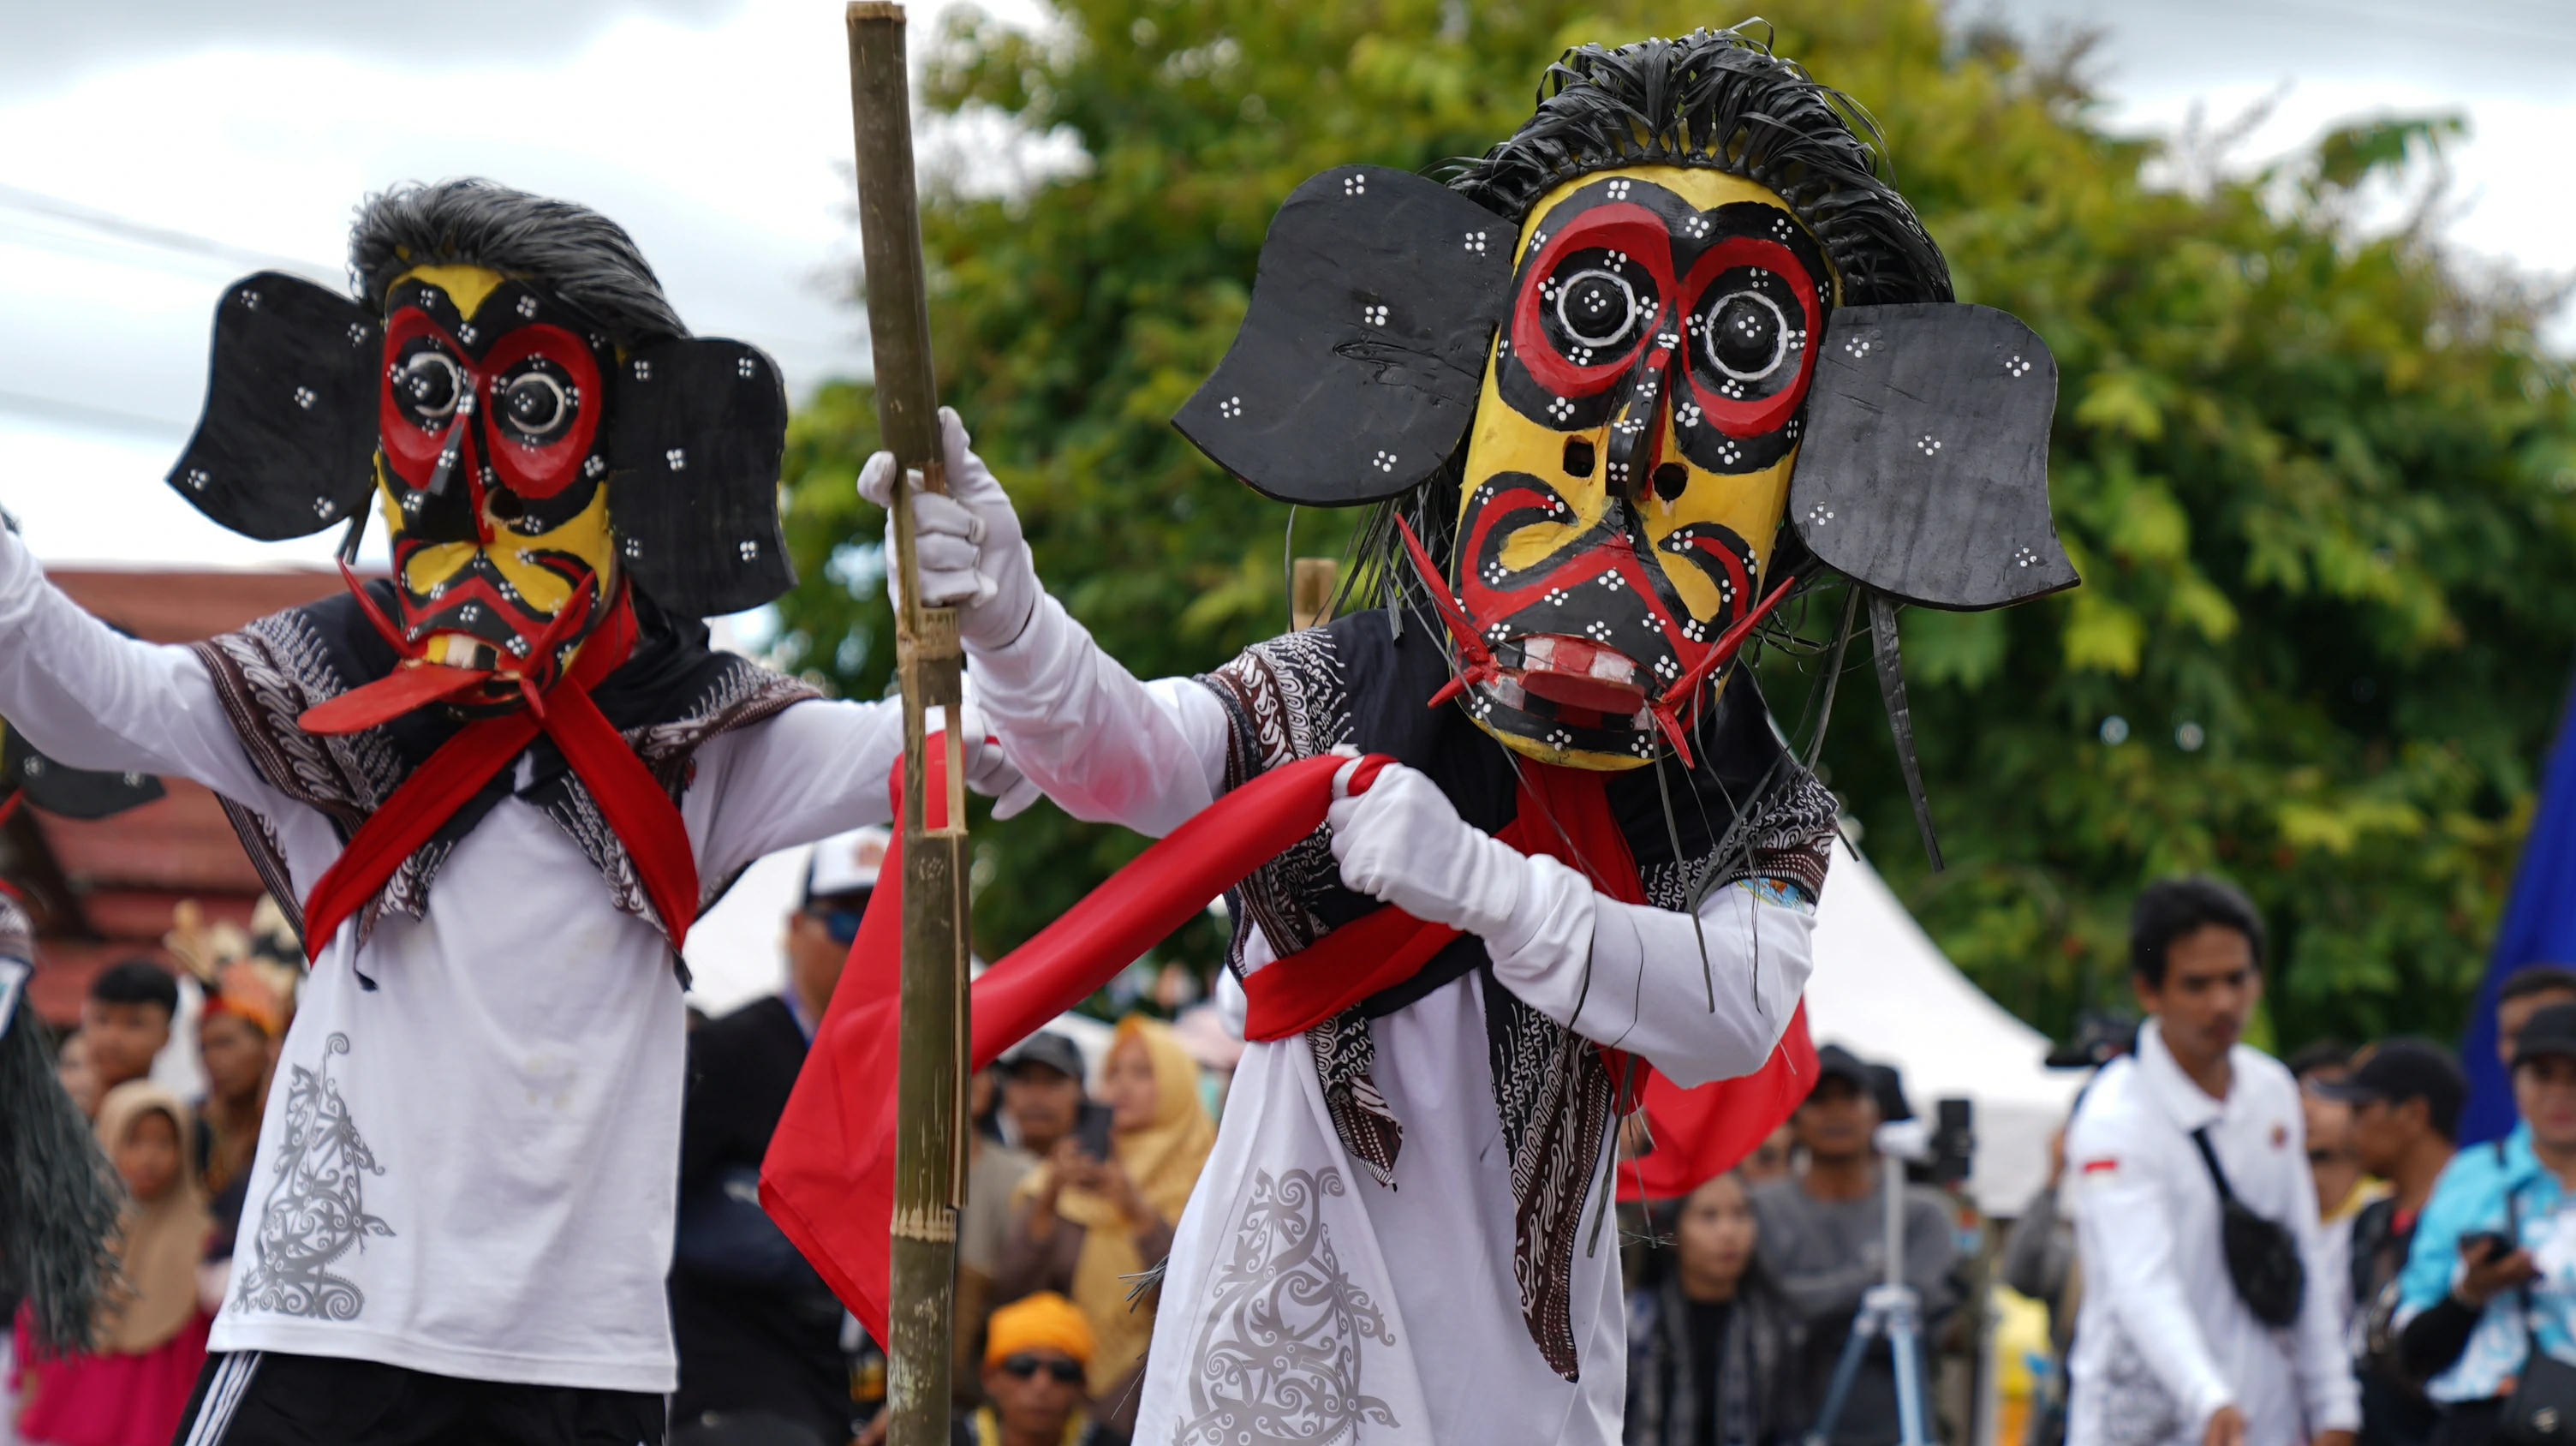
{"x": 470, "y": 1168}
{"x": 1405, "y": 1299}
{"x": 2162, "y": 1340}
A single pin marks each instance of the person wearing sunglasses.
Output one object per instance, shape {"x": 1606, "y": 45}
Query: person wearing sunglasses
{"x": 1037, "y": 1353}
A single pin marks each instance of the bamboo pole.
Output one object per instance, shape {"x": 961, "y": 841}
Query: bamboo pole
{"x": 930, "y": 1159}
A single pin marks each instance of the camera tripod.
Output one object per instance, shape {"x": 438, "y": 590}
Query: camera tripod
{"x": 1888, "y": 1309}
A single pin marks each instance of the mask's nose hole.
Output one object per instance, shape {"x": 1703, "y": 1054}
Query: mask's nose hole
{"x": 1578, "y": 456}
{"x": 504, "y": 504}
{"x": 1670, "y": 479}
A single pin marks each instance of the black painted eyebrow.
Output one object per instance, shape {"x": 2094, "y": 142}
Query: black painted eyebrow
{"x": 1674, "y": 213}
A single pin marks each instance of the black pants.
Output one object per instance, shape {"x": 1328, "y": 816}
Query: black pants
{"x": 262, "y": 1398}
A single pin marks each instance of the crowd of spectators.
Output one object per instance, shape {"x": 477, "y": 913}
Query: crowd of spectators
{"x": 2242, "y": 1251}
{"x": 2231, "y": 1250}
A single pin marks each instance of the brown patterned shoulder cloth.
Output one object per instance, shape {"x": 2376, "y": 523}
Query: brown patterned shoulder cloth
{"x": 667, "y": 701}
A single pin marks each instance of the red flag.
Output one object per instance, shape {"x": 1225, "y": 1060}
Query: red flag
{"x": 1701, "y": 1133}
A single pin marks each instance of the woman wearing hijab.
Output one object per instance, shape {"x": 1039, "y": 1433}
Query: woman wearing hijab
{"x": 130, "y": 1388}
{"x": 1087, "y": 1227}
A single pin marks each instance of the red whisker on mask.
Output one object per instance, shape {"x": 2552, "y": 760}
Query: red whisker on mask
{"x": 1667, "y": 708}
{"x": 1471, "y": 648}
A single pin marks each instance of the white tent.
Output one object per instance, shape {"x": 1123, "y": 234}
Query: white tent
{"x": 1883, "y": 990}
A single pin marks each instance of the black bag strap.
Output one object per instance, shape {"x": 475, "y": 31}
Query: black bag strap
{"x": 2209, "y": 1157}
{"x": 2513, "y": 1242}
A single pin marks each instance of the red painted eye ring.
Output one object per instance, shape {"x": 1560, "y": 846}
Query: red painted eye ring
{"x": 412, "y": 451}
{"x": 546, "y": 469}
{"x": 1619, "y": 226}
{"x": 1763, "y": 415}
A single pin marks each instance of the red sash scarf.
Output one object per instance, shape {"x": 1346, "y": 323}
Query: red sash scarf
{"x": 642, "y": 815}
{"x": 829, "y": 1177}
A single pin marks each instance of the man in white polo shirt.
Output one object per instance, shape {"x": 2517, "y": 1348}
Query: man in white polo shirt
{"x": 2172, "y": 1347}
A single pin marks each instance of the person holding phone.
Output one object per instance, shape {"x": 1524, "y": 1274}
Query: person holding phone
{"x": 1100, "y": 1210}
{"x": 2487, "y": 1302}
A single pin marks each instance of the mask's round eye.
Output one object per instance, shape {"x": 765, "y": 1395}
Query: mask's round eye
{"x": 1747, "y": 336}
{"x": 1596, "y": 305}
{"x": 1597, "y": 308}
{"x": 537, "y": 405}
{"x": 430, "y": 383}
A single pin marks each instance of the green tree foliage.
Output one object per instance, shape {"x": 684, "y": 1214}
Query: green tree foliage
{"x": 2318, "y": 484}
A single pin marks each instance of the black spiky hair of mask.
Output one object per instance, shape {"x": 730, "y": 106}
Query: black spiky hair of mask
{"x": 1720, "y": 100}
{"x": 572, "y": 251}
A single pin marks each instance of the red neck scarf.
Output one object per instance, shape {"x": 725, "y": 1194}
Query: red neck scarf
{"x": 643, "y": 816}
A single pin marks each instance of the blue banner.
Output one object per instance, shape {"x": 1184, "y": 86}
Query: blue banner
{"x": 2539, "y": 927}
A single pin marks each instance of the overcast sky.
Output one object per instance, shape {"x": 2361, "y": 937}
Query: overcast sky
{"x": 156, "y": 149}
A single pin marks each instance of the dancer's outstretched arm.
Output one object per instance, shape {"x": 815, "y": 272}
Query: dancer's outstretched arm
{"x": 1103, "y": 745}
{"x": 90, "y": 697}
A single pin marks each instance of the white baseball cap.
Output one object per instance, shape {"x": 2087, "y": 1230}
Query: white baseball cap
{"x": 847, "y": 863}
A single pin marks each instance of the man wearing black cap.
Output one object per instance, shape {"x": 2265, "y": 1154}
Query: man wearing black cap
{"x": 1822, "y": 1237}
{"x": 1042, "y": 1096}
{"x": 759, "y": 1334}
{"x": 2406, "y": 1096}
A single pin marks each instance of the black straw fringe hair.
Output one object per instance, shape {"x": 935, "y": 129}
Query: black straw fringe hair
{"x": 572, "y": 251}
{"x": 1720, "y": 100}
{"x": 58, "y": 1198}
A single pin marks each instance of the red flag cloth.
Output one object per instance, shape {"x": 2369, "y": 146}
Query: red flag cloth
{"x": 1701, "y": 1133}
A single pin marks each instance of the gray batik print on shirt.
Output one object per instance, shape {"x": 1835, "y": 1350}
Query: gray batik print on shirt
{"x": 316, "y": 1211}
{"x": 1278, "y": 1355}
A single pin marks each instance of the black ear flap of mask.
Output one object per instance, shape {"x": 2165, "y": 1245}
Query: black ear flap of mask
{"x": 70, "y": 792}
{"x": 1361, "y": 356}
{"x": 1924, "y": 473}
{"x": 287, "y": 444}
{"x": 697, "y": 428}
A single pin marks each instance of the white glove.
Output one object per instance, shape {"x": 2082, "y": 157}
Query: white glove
{"x": 1403, "y": 842}
{"x": 988, "y": 771}
{"x": 968, "y": 542}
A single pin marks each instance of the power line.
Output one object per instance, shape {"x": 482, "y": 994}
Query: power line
{"x": 81, "y": 414}
{"x": 160, "y": 238}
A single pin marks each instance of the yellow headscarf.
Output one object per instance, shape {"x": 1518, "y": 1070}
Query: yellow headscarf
{"x": 1163, "y": 1159}
{"x": 161, "y": 1239}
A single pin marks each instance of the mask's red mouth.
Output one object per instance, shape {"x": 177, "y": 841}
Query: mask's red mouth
{"x": 1573, "y": 665}
{"x": 415, "y": 681}
{"x": 1576, "y": 672}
